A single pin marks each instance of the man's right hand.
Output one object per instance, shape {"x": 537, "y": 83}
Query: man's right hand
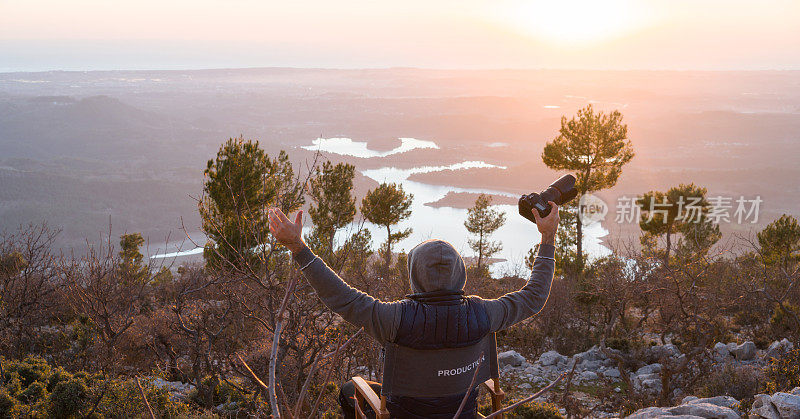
{"x": 547, "y": 225}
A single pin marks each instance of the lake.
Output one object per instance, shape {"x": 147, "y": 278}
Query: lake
{"x": 518, "y": 235}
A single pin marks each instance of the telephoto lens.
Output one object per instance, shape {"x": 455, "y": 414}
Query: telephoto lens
{"x": 561, "y": 191}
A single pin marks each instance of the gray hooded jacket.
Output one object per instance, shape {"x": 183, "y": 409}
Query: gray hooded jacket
{"x": 432, "y": 265}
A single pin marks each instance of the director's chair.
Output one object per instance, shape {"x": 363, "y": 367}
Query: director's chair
{"x": 396, "y": 356}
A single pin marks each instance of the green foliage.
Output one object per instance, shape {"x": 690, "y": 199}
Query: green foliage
{"x": 566, "y": 243}
{"x": 12, "y": 263}
{"x": 241, "y": 183}
{"x": 131, "y": 269}
{"x": 31, "y": 369}
{"x": 783, "y": 374}
{"x": 681, "y": 210}
{"x": 8, "y": 404}
{"x": 530, "y": 410}
{"x": 333, "y": 205}
{"x": 35, "y": 391}
{"x": 595, "y": 147}
{"x": 388, "y": 205}
{"x": 780, "y": 242}
{"x": 356, "y": 252}
{"x": 69, "y": 398}
{"x": 221, "y": 392}
{"x": 783, "y": 318}
{"x": 482, "y": 221}
{"x": 32, "y": 388}
{"x": 738, "y": 381}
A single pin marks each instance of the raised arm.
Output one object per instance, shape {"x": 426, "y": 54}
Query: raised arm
{"x": 519, "y": 305}
{"x": 379, "y": 319}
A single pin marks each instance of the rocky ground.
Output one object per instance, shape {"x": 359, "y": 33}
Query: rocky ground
{"x": 594, "y": 369}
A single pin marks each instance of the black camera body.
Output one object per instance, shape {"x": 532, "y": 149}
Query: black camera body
{"x": 561, "y": 191}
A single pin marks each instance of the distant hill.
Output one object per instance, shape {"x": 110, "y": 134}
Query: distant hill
{"x": 76, "y": 147}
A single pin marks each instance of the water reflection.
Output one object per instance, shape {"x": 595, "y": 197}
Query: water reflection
{"x": 446, "y": 223}
{"x": 348, "y": 147}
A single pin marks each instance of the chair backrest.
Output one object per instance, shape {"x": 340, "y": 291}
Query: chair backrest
{"x": 438, "y": 372}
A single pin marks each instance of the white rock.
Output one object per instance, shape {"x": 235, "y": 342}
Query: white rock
{"x": 652, "y": 384}
{"x": 589, "y": 376}
{"x": 795, "y": 391}
{"x": 721, "y": 351}
{"x": 788, "y": 405}
{"x": 745, "y": 351}
{"x": 669, "y": 350}
{"x": 763, "y": 407}
{"x": 649, "y": 412}
{"x": 649, "y": 369}
{"x": 612, "y": 373}
{"x": 525, "y": 386}
{"x": 778, "y": 348}
{"x": 724, "y": 401}
{"x": 688, "y": 399}
{"x": 512, "y": 358}
{"x": 551, "y": 358}
{"x": 705, "y": 410}
{"x": 590, "y": 365}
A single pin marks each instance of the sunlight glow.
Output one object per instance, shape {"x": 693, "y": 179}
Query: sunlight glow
{"x": 577, "y": 21}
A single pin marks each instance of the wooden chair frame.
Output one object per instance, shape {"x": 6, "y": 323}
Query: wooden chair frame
{"x": 364, "y": 393}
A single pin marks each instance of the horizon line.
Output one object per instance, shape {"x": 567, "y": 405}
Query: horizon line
{"x": 389, "y": 68}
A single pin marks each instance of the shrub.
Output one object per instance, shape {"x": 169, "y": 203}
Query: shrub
{"x": 69, "y": 398}
{"x": 57, "y": 393}
{"x": 123, "y": 397}
{"x": 8, "y": 403}
{"x": 530, "y": 410}
{"x": 31, "y": 369}
{"x": 35, "y": 392}
{"x": 57, "y": 375}
{"x": 783, "y": 373}
{"x": 738, "y": 381}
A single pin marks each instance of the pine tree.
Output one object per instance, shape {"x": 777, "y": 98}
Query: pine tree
{"x": 241, "y": 184}
{"x": 780, "y": 242}
{"x": 682, "y": 210}
{"x": 388, "y": 205}
{"x": 593, "y": 146}
{"x": 333, "y": 205}
{"x": 482, "y": 221}
{"x": 131, "y": 269}
{"x": 566, "y": 255}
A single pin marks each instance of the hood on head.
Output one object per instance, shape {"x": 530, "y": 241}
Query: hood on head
{"x": 435, "y": 265}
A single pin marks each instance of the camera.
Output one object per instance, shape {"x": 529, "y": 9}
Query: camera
{"x": 560, "y": 191}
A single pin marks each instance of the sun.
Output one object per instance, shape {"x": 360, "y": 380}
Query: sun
{"x": 577, "y": 22}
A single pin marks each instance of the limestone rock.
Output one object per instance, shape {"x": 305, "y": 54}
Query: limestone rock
{"x": 612, "y": 373}
{"x": 512, "y": 358}
{"x": 649, "y": 412}
{"x": 788, "y": 405}
{"x": 721, "y": 351}
{"x": 724, "y": 401}
{"x": 552, "y": 358}
{"x": 649, "y": 369}
{"x": 688, "y": 399}
{"x": 705, "y": 410}
{"x": 660, "y": 351}
{"x": 763, "y": 407}
{"x": 589, "y": 376}
{"x": 745, "y": 351}
{"x": 778, "y": 348}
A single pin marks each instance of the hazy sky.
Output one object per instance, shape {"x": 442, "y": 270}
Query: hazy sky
{"x": 596, "y": 34}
